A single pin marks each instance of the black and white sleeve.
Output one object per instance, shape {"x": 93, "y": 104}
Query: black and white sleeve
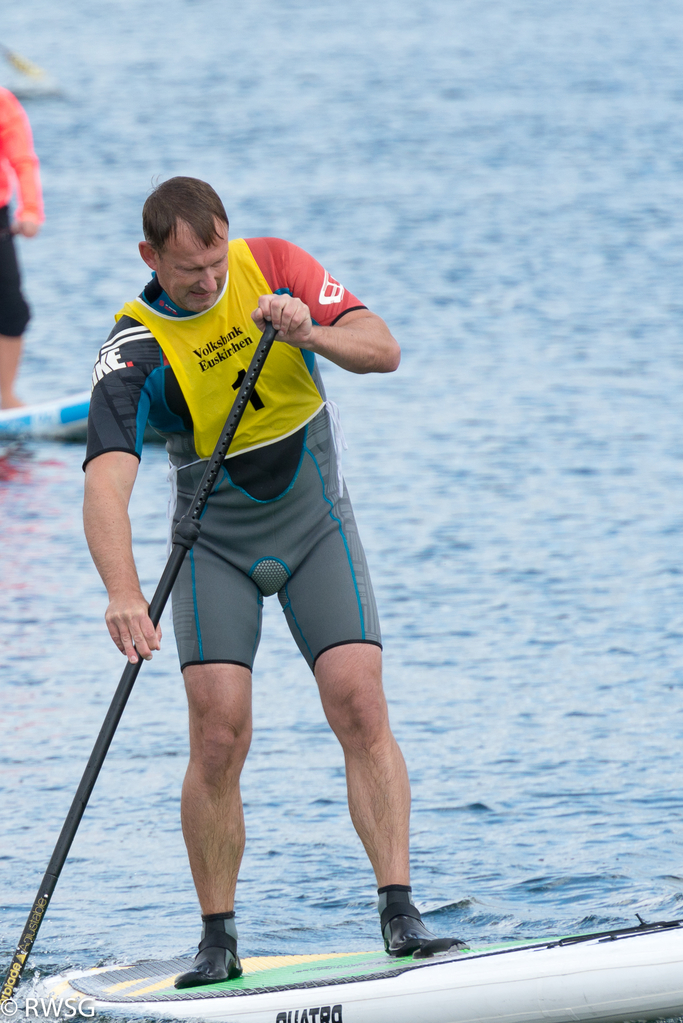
{"x": 119, "y": 405}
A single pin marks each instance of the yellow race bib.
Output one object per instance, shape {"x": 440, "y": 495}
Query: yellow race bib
{"x": 209, "y": 353}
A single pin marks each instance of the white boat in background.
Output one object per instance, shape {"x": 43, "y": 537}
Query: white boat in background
{"x": 63, "y": 419}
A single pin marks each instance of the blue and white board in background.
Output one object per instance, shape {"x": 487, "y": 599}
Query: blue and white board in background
{"x": 61, "y": 419}
{"x": 612, "y": 977}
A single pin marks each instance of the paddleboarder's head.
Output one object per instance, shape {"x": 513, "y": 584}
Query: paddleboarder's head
{"x": 186, "y": 241}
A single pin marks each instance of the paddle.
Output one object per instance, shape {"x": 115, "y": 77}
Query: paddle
{"x": 184, "y": 537}
{"x": 23, "y": 64}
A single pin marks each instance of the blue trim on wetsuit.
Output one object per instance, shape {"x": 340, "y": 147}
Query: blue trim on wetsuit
{"x": 291, "y": 611}
{"x": 343, "y": 536}
{"x": 259, "y": 600}
{"x": 157, "y": 413}
{"x": 309, "y": 357}
{"x": 141, "y": 417}
{"x": 164, "y": 304}
{"x": 196, "y": 610}
{"x": 270, "y": 500}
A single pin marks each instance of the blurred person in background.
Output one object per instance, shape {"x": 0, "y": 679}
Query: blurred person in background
{"x": 18, "y": 169}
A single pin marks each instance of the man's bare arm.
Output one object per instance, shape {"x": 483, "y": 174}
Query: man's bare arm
{"x": 360, "y": 342}
{"x": 109, "y": 480}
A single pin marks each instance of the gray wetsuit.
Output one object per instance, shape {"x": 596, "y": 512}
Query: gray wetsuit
{"x": 302, "y": 544}
{"x": 276, "y": 522}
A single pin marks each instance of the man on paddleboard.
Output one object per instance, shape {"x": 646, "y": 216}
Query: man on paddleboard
{"x": 279, "y": 520}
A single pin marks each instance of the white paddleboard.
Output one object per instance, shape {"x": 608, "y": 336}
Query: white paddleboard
{"x": 62, "y": 419}
{"x": 629, "y": 974}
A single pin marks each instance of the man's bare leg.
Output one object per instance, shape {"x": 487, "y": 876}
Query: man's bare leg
{"x": 10, "y": 357}
{"x": 219, "y": 699}
{"x": 350, "y": 681}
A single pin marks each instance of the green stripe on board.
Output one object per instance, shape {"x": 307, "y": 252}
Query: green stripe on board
{"x": 152, "y": 981}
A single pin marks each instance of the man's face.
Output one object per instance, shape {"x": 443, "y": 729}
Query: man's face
{"x": 191, "y": 274}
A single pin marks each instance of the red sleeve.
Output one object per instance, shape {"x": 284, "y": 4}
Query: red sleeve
{"x": 286, "y": 266}
{"x": 16, "y": 147}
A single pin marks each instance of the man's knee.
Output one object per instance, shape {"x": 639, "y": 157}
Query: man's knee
{"x": 350, "y": 682}
{"x": 219, "y": 743}
{"x": 219, "y": 700}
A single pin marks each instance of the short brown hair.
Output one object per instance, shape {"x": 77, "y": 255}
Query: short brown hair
{"x": 187, "y": 199}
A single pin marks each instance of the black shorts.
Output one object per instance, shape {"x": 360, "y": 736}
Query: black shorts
{"x": 14, "y": 312}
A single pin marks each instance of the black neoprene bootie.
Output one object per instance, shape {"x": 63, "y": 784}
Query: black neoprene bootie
{"x": 217, "y": 957}
{"x": 402, "y": 926}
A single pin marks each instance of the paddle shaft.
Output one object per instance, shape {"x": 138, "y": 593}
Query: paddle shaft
{"x": 184, "y": 537}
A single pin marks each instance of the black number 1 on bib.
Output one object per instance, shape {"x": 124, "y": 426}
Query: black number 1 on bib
{"x": 255, "y": 400}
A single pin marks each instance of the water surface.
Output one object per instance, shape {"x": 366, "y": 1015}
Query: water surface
{"x": 501, "y": 180}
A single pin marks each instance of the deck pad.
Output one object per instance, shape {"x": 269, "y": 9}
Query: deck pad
{"x": 152, "y": 981}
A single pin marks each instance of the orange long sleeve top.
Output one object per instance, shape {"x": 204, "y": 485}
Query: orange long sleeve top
{"x": 18, "y": 161}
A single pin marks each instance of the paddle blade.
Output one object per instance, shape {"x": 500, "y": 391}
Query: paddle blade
{"x": 23, "y": 64}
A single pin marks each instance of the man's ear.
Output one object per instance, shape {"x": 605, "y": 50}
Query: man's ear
{"x": 149, "y": 254}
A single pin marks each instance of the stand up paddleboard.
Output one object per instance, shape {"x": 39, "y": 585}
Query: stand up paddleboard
{"x": 610, "y": 977}
{"x": 63, "y": 419}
